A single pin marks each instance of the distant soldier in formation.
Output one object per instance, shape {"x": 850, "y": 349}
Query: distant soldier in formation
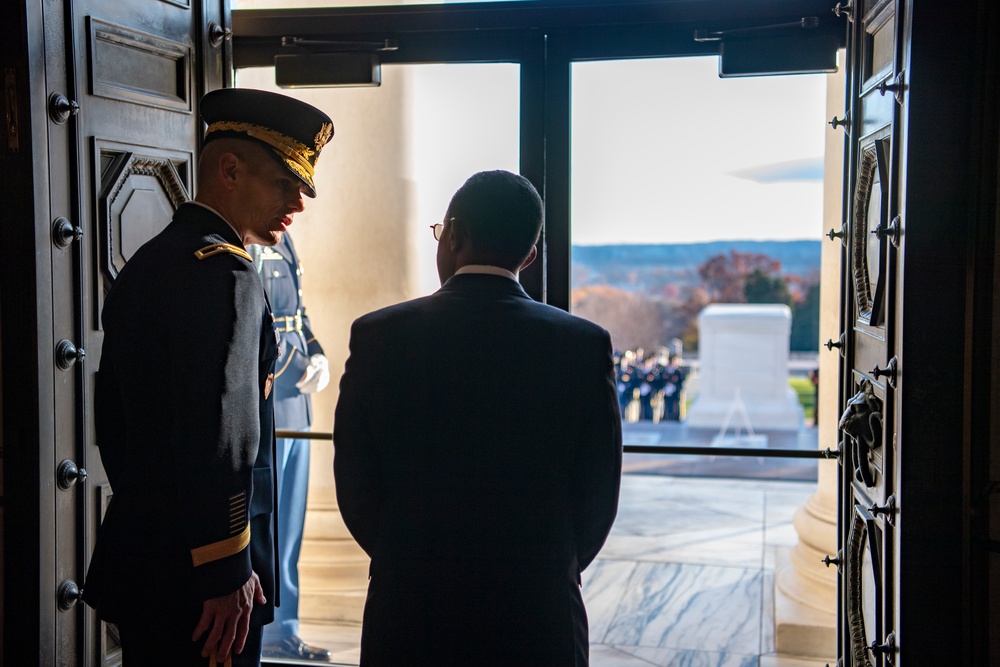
{"x": 626, "y": 378}
{"x": 649, "y": 385}
{"x": 675, "y": 374}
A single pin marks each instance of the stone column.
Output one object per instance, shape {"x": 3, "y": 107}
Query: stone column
{"x": 805, "y": 592}
{"x": 363, "y": 210}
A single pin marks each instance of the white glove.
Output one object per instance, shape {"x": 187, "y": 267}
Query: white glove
{"x": 317, "y": 375}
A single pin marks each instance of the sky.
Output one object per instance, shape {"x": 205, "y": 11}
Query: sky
{"x": 664, "y": 151}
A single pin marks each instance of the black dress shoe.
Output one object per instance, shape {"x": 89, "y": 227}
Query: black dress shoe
{"x": 293, "y": 647}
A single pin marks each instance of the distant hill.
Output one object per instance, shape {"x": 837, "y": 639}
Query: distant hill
{"x": 609, "y": 263}
{"x": 795, "y": 256}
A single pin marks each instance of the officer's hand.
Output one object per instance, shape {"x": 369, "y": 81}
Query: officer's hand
{"x": 228, "y": 620}
{"x": 317, "y": 375}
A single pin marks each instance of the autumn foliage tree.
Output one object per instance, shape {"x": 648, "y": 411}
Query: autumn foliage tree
{"x": 736, "y": 277}
{"x": 633, "y": 319}
{"x": 763, "y": 288}
{"x": 654, "y": 306}
{"x": 724, "y": 277}
{"x": 805, "y": 321}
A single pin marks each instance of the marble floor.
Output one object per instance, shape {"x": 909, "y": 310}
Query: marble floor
{"x": 686, "y": 577}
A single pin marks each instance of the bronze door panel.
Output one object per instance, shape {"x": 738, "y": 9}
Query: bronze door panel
{"x": 140, "y": 188}
{"x": 122, "y": 159}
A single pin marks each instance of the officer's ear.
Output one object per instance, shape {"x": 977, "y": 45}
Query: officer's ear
{"x": 230, "y": 167}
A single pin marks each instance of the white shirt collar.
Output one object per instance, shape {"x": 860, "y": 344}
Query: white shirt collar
{"x": 206, "y": 206}
{"x": 486, "y": 268}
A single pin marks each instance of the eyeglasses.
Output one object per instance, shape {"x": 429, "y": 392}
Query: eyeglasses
{"x": 438, "y": 229}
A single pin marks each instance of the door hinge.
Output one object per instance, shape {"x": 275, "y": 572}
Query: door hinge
{"x": 61, "y": 108}
{"x": 829, "y": 344}
{"x": 896, "y": 87}
{"x": 68, "y": 354}
{"x": 68, "y": 594}
{"x": 842, "y": 235}
{"x": 890, "y": 231}
{"x": 845, "y": 9}
{"x": 844, "y": 122}
{"x": 65, "y": 232}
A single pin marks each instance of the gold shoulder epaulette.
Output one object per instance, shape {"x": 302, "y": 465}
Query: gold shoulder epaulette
{"x": 217, "y": 248}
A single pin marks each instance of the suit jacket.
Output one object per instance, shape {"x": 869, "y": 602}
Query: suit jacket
{"x": 280, "y": 272}
{"x": 185, "y": 426}
{"x": 479, "y": 482}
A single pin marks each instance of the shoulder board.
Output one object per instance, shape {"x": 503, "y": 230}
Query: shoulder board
{"x": 217, "y": 248}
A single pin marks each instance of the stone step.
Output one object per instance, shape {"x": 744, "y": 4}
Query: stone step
{"x": 326, "y": 524}
{"x": 332, "y": 606}
{"x": 325, "y": 551}
{"x": 333, "y": 576}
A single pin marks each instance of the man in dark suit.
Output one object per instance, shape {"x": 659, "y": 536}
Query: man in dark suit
{"x": 302, "y": 370}
{"x": 184, "y": 559}
{"x": 492, "y": 483}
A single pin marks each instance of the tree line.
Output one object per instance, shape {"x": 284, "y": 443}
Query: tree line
{"x": 653, "y": 317}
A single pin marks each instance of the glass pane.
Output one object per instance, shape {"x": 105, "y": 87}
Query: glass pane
{"x": 398, "y": 154}
{"x": 698, "y": 207}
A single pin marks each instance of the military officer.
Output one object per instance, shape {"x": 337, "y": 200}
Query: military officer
{"x": 302, "y": 369}
{"x": 184, "y": 558}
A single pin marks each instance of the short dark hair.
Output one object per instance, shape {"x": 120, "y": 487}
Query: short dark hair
{"x": 503, "y": 215}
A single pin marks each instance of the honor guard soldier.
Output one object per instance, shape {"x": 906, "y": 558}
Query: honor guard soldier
{"x": 184, "y": 562}
{"x": 302, "y": 369}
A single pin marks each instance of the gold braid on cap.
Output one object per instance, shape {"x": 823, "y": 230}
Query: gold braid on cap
{"x": 323, "y": 136}
{"x": 294, "y": 150}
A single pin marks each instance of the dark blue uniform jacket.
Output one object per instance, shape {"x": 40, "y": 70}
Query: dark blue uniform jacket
{"x": 184, "y": 424}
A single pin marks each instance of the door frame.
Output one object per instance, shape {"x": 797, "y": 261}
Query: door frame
{"x": 26, "y": 337}
{"x": 960, "y": 137}
{"x": 947, "y": 166}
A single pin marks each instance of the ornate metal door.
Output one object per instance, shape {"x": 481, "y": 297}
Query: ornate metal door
{"x": 870, "y": 380}
{"x": 123, "y": 79}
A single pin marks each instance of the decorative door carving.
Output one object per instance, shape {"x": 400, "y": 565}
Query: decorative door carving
{"x": 870, "y": 376}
